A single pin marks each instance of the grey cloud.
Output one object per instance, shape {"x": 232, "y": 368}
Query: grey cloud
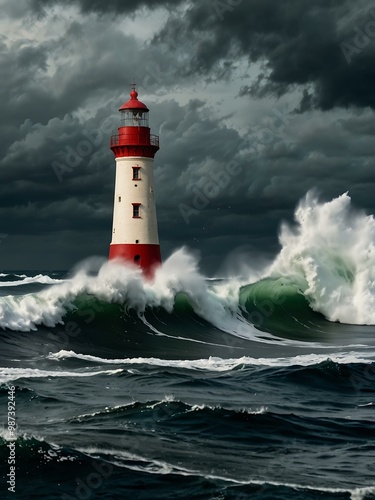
{"x": 110, "y": 6}
{"x": 298, "y": 43}
{"x": 57, "y": 90}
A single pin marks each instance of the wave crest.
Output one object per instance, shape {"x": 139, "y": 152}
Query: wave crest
{"x": 327, "y": 262}
{"x": 330, "y": 255}
{"x": 117, "y": 283}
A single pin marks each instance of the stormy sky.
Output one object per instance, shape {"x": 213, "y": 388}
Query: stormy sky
{"x": 255, "y": 101}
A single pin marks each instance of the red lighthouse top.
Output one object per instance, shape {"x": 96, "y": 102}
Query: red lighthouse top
{"x": 133, "y": 103}
{"x": 134, "y": 137}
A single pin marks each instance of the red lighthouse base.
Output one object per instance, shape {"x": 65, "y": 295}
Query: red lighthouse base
{"x": 146, "y": 256}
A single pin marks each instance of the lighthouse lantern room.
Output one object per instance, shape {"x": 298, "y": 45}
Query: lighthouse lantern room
{"x": 135, "y": 231}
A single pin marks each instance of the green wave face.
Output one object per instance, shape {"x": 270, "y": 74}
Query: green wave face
{"x": 273, "y": 305}
{"x": 279, "y": 305}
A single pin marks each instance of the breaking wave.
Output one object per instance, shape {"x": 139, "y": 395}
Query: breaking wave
{"x": 324, "y": 271}
{"x": 329, "y": 256}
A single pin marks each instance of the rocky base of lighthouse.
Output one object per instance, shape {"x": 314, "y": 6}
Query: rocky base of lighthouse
{"x": 146, "y": 256}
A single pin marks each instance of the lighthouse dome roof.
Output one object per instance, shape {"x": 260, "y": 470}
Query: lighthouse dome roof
{"x": 133, "y": 102}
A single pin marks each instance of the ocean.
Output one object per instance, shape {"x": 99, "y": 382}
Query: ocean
{"x": 257, "y": 385}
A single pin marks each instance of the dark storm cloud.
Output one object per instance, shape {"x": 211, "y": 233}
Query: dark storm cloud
{"x": 298, "y": 42}
{"x": 247, "y": 208}
{"x": 31, "y": 193}
{"x": 44, "y": 114}
{"x": 108, "y": 6}
{"x": 29, "y": 91}
{"x": 216, "y": 188}
{"x": 55, "y": 95}
{"x": 223, "y": 212}
{"x": 19, "y": 68}
{"x": 325, "y": 46}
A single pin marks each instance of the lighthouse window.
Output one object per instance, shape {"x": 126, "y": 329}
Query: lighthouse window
{"x": 119, "y": 199}
{"x": 136, "y": 210}
{"x": 136, "y": 173}
{"x": 134, "y": 118}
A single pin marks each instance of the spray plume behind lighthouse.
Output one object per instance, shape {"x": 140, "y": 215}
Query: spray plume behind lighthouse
{"x": 135, "y": 236}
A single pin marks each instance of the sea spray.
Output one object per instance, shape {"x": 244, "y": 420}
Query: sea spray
{"x": 330, "y": 255}
{"x": 39, "y": 278}
{"x": 116, "y": 283}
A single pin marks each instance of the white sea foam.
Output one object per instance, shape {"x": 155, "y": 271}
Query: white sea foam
{"x": 171, "y": 399}
{"x": 362, "y": 493}
{"x": 40, "y": 278}
{"x": 259, "y": 411}
{"x": 125, "y": 285}
{"x": 140, "y": 463}
{"x": 219, "y": 364}
{"x": 331, "y": 255}
{"x": 12, "y": 374}
{"x": 168, "y": 398}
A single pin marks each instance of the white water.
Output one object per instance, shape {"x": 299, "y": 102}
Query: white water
{"x": 330, "y": 253}
{"x": 141, "y": 463}
{"x": 222, "y": 365}
{"x": 11, "y": 374}
{"x": 115, "y": 283}
{"x": 40, "y": 278}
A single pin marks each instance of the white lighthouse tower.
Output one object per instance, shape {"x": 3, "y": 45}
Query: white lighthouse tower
{"x": 135, "y": 230}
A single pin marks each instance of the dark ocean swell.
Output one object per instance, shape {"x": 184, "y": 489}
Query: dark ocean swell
{"x": 183, "y": 388}
{"x": 208, "y": 428}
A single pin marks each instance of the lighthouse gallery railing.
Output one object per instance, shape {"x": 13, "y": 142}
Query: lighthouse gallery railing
{"x": 133, "y": 140}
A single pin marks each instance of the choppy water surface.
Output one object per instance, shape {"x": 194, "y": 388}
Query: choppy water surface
{"x": 259, "y": 386}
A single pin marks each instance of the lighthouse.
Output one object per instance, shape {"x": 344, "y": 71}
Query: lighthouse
{"x": 135, "y": 236}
